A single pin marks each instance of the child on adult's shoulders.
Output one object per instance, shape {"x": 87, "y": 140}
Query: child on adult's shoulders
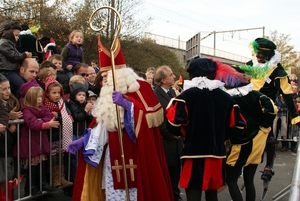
{"x": 10, "y": 57}
{"x": 72, "y": 53}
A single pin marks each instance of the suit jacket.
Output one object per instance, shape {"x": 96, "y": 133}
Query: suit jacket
{"x": 171, "y": 146}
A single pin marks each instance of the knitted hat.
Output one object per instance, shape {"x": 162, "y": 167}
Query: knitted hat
{"x": 75, "y": 88}
{"x": 262, "y": 44}
{"x": 201, "y": 67}
{"x": 50, "y": 80}
{"x": 26, "y": 86}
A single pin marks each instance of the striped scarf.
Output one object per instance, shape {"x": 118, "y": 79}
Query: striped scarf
{"x": 67, "y": 126}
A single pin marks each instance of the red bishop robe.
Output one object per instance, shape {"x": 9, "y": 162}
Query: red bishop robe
{"x": 151, "y": 175}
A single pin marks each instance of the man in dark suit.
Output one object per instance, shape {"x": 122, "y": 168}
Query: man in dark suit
{"x": 164, "y": 79}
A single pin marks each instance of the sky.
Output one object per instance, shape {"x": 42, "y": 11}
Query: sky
{"x": 185, "y": 18}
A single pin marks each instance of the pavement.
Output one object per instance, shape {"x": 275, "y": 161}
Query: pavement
{"x": 283, "y": 167}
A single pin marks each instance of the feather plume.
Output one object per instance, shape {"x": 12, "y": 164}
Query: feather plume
{"x": 256, "y": 72}
{"x": 254, "y": 46}
{"x": 230, "y": 76}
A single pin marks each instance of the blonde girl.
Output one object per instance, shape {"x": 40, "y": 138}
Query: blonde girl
{"x": 37, "y": 119}
{"x": 54, "y": 102}
{"x": 73, "y": 53}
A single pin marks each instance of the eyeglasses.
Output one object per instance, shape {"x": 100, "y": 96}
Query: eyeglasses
{"x": 84, "y": 75}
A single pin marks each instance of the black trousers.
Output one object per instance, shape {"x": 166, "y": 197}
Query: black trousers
{"x": 174, "y": 172}
{"x": 232, "y": 175}
{"x": 195, "y": 195}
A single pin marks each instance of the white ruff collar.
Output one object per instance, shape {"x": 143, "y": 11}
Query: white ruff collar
{"x": 203, "y": 83}
{"x": 240, "y": 91}
{"x": 273, "y": 61}
{"x": 49, "y": 44}
{"x": 27, "y": 32}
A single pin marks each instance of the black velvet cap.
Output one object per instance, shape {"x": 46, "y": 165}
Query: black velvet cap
{"x": 24, "y": 27}
{"x": 265, "y": 44}
{"x": 201, "y": 67}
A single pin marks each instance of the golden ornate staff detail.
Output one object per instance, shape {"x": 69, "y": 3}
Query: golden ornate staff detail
{"x": 120, "y": 134}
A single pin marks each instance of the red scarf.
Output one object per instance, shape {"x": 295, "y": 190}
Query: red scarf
{"x": 53, "y": 107}
{"x": 60, "y": 107}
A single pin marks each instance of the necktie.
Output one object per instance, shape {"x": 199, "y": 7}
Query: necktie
{"x": 169, "y": 94}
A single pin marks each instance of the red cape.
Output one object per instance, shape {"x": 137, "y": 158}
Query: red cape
{"x": 152, "y": 177}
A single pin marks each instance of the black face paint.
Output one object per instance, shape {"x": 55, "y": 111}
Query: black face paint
{"x": 262, "y": 56}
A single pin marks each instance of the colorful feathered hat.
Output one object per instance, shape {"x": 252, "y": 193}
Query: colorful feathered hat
{"x": 261, "y": 44}
{"x": 105, "y": 56}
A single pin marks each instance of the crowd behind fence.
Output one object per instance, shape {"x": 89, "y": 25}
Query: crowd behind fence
{"x": 11, "y": 187}
{"x": 14, "y": 173}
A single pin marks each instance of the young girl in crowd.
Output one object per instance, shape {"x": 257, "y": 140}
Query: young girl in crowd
{"x": 149, "y": 79}
{"x": 37, "y": 120}
{"x": 11, "y": 102}
{"x": 12, "y": 107}
{"x": 8, "y": 162}
{"x": 54, "y": 102}
{"x": 73, "y": 53}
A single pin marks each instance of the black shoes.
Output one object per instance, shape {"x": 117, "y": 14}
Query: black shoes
{"x": 47, "y": 187}
{"x": 35, "y": 191}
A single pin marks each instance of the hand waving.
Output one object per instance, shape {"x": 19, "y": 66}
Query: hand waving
{"x": 119, "y": 100}
{"x": 76, "y": 145}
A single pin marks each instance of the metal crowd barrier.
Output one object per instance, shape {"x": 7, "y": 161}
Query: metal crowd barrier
{"x": 17, "y": 193}
{"x": 295, "y": 184}
{"x": 292, "y": 189}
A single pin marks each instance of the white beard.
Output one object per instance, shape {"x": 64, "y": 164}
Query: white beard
{"x": 104, "y": 109}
